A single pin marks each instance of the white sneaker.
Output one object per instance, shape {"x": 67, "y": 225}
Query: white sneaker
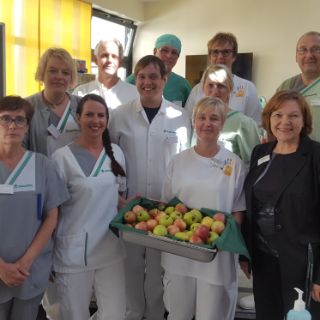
{"x": 246, "y": 302}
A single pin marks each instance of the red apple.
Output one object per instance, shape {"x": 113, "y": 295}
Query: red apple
{"x": 142, "y": 225}
{"x": 181, "y": 207}
{"x": 153, "y": 212}
{"x": 173, "y": 229}
{"x": 202, "y": 232}
{"x": 180, "y": 224}
{"x": 217, "y": 226}
{"x": 137, "y": 208}
{"x": 130, "y": 217}
{"x": 219, "y": 216}
{"x": 151, "y": 223}
{"x": 195, "y": 239}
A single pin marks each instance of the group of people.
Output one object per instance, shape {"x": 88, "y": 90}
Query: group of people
{"x": 68, "y": 161}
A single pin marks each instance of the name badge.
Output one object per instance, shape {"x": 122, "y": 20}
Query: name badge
{"x": 264, "y": 159}
{"x": 54, "y": 131}
{"x": 6, "y": 189}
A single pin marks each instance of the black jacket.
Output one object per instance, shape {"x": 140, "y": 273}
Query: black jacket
{"x": 297, "y": 209}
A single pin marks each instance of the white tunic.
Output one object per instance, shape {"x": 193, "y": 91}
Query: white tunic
{"x": 83, "y": 239}
{"x": 121, "y": 93}
{"x": 148, "y": 147}
{"x": 243, "y": 98}
{"x": 201, "y": 182}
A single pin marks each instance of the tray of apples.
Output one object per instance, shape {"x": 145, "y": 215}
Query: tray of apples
{"x": 172, "y": 228}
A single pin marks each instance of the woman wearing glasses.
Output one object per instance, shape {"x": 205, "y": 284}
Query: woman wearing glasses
{"x": 30, "y": 192}
{"x": 53, "y": 124}
{"x": 223, "y": 49}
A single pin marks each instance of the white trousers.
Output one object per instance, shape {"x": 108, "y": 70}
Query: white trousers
{"x": 144, "y": 288}
{"x": 74, "y": 292}
{"x": 187, "y": 297}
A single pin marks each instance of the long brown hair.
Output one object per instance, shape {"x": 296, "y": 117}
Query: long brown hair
{"x": 115, "y": 166}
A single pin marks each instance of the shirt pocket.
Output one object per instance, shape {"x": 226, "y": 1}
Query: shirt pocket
{"x": 71, "y": 251}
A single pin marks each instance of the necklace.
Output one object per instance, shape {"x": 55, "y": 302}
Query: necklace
{"x": 51, "y": 104}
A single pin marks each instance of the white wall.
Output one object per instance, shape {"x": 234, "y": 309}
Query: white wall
{"x": 269, "y": 29}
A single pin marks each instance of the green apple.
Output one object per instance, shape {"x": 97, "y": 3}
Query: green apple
{"x": 183, "y": 236}
{"x": 212, "y": 237}
{"x": 207, "y": 221}
{"x": 190, "y": 218}
{"x": 160, "y": 230}
{"x": 197, "y": 214}
{"x": 143, "y": 215}
{"x": 166, "y": 221}
{"x": 175, "y": 215}
{"x": 194, "y": 226}
{"x": 168, "y": 210}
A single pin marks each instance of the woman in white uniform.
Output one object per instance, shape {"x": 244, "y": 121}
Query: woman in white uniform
{"x": 88, "y": 257}
{"x": 30, "y": 192}
{"x": 205, "y": 176}
{"x": 240, "y": 133}
{"x": 54, "y": 122}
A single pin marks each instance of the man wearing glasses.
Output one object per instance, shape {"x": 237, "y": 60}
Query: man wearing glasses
{"x": 177, "y": 89}
{"x": 308, "y": 81}
{"x": 223, "y": 49}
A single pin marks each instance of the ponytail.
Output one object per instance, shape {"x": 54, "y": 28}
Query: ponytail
{"x": 115, "y": 166}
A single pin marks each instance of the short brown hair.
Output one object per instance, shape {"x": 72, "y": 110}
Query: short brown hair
{"x": 63, "y": 55}
{"x": 277, "y": 100}
{"x": 222, "y": 38}
{"x": 150, "y": 59}
{"x": 16, "y": 103}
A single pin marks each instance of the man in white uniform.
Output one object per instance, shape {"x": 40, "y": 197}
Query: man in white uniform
{"x": 149, "y": 130}
{"x": 108, "y": 56}
{"x": 223, "y": 49}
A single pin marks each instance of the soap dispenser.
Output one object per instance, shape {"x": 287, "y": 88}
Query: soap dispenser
{"x": 299, "y": 311}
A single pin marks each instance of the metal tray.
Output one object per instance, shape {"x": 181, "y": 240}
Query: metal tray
{"x": 180, "y": 248}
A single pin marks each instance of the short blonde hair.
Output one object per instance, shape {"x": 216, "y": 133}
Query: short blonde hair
{"x": 61, "y": 54}
{"x": 218, "y": 73}
{"x": 209, "y": 102}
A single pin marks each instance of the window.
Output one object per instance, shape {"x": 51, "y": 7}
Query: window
{"x": 104, "y": 25}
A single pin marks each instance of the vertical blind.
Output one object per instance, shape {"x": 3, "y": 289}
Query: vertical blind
{"x": 32, "y": 26}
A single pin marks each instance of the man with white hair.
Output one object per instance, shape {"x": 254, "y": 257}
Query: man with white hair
{"x": 108, "y": 56}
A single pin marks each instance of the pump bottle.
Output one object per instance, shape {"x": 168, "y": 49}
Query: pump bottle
{"x": 299, "y": 311}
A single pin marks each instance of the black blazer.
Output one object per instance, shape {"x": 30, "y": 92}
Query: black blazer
{"x": 297, "y": 209}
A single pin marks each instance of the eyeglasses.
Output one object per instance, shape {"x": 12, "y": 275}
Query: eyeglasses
{"x": 303, "y": 51}
{"x": 224, "y": 52}
{"x": 19, "y": 121}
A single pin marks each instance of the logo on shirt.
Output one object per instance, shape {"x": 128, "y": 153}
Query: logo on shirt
{"x": 240, "y": 92}
{"x": 225, "y": 166}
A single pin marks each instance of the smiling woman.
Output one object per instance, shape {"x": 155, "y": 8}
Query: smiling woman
{"x": 28, "y": 214}
{"x": 53, "y": 124}
{"x": 282, "y": 223}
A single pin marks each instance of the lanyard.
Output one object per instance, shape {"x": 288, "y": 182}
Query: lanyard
{"x": 21, "y": 165}
{"x": 100, "y": 162}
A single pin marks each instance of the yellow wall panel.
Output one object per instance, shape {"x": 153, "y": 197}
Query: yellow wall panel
{"x": 32, "y": 26}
